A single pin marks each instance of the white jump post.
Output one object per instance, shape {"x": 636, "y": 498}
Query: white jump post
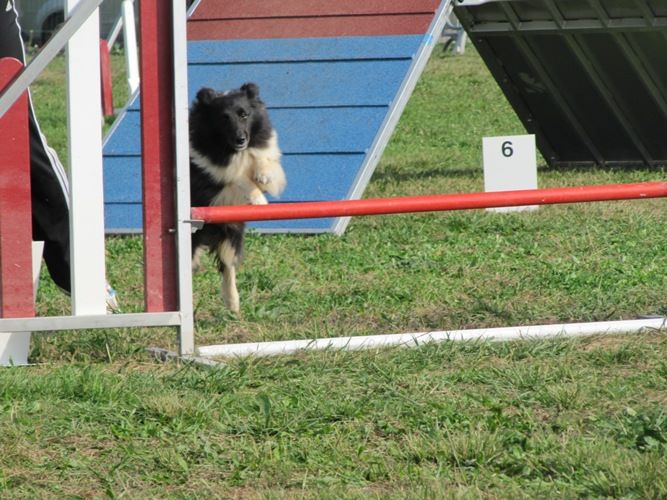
{"x": 130, "y": 43}
{"x": 126, "y": 22}
{"x": 186, "y": 338}
{"x": 84, "y": 113}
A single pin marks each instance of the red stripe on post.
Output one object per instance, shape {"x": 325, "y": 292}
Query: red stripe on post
{"x": 157, "y": 118}
{"x": 292, "y": 27}
{"x": 107, "y": 84}
{"x": 16, "y": 288}
{"x": 435, "y": 203}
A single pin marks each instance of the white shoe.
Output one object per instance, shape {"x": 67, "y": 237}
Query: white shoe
{"x": 112, "y": 300}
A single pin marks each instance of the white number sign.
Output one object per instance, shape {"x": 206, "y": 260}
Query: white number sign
{"x": 510, "y": 164}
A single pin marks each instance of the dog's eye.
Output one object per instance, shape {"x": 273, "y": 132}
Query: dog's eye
{"x": 243, "y": 114}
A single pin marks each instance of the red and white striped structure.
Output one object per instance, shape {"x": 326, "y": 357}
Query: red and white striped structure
{"x": 168, "y": 294}
{"x": 168, "y": 217}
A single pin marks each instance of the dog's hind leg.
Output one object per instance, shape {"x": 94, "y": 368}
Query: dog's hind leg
{"x": 228, "y": 260}
{"x": 229, "y": 292}
{"x": 197, "y": 253}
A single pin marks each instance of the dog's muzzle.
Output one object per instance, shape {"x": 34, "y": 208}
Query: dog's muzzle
{"x": 241, "y": 143}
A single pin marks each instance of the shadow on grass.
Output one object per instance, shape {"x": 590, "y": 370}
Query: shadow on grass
{"x": 398, "y": 173}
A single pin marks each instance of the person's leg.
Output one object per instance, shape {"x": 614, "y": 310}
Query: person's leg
{"x": 50, "y": 190}
{"x": 49, "y": 183}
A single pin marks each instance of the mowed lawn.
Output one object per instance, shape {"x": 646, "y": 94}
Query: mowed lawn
{"x": 97, "y": 416}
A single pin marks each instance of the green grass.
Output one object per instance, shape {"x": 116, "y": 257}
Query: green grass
{"x": 97, "y": 416}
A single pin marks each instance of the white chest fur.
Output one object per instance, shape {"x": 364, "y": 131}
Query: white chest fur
{"x": 248, "y": 174}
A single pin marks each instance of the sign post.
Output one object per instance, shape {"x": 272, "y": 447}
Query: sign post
{"x": 510, "y": 164}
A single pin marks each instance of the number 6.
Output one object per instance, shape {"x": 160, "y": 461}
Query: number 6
{"x": 507, "y": 149}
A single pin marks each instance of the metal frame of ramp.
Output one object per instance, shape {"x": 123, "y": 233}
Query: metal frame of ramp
{"x": 587, "y": 77}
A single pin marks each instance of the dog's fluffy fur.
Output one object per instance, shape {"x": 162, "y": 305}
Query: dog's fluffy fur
{"x": 234, "y": 160}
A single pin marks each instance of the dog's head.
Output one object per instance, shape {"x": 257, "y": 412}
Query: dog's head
{"x": 232, "y": 119}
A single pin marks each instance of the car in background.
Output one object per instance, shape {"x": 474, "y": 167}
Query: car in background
{"x": 40, "y": 19}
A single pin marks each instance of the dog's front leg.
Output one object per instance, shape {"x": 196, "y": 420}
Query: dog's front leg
{"x": 270, "y": 177}
{"x": 266, "y": 171}
{"x": 228, "y": 259}
{"x": 253, "y": 195}
{"x": 241, "y": 192}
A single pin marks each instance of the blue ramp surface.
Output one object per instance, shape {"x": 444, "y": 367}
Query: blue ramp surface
{"x": 330, "y": 99}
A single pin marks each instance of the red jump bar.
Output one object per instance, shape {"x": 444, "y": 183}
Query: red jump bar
{"x": 434, "y": 203}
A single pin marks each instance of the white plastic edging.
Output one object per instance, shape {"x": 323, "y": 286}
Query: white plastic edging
{"x": 417, "y": 339}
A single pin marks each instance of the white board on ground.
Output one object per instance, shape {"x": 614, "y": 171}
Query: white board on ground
{"x": 510, "y": 164}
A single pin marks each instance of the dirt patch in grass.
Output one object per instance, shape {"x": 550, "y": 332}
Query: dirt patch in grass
{"x": 611, "y": 341}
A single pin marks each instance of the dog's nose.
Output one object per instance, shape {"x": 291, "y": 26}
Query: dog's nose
{"x": 240, "y": 140}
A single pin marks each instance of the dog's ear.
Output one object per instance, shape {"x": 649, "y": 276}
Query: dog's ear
{"x": 206, "y": 95}
{"x": 251, "y": 90}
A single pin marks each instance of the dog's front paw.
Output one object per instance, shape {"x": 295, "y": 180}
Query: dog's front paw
{"x": 233, "y": 304}
{"x": 231, "y": 299}
{"x": 262, "y": 179}
{"x": 270, "y": 180}
{"x": 258, "y": 198}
